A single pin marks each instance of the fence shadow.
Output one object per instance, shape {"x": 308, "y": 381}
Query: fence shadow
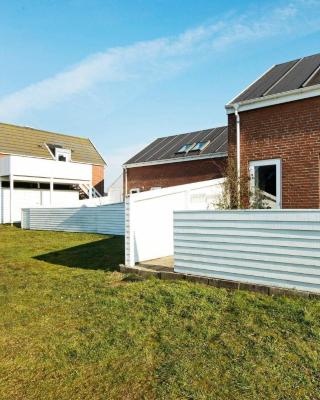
{"x": 105, "y": 254}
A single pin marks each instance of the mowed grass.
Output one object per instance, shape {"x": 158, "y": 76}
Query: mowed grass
{"x": 74, "y": 328}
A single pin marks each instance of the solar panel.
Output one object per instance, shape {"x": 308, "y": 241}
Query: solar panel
{"x": 258, "y": 88}
{"x": 172, "y": 147}
{"x": 298, "y": 75}
{"x": 284, "y": 77}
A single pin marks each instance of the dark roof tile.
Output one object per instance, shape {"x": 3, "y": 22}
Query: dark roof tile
{"x": 166, "y": 148}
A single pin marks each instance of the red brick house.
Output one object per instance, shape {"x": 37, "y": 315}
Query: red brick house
{"x": 176, "y": 160}
{"x": 274, "y": 133}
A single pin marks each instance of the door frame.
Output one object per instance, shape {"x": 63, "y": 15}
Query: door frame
{"x": 261, "y": 163}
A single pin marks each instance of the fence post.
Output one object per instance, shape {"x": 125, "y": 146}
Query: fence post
{"x": 129, "y": 232}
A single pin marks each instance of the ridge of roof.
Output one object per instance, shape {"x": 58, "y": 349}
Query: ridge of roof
{"x": 282, "y": 78}
{"x": 43, "y": 130}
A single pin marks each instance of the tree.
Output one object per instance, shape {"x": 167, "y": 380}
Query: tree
{"x": 237, "y": 192}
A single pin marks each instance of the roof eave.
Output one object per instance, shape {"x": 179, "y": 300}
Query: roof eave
{"x": 274, "y": 99}
{"x": 176, "y": 160}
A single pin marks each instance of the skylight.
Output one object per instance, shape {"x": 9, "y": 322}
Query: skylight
{"x": 185, "y": 148}
{"x": 200, "y": 146}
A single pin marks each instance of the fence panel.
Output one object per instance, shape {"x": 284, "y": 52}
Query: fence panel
{"x": 107, "y": 219}
{"x": 269, "y": 247}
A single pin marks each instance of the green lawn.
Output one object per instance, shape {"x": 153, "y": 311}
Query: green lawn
{"x": 71, "y": 327}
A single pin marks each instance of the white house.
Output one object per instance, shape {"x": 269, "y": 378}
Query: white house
{"x": 40, "y": 168}
{"x": 115, "y": 190}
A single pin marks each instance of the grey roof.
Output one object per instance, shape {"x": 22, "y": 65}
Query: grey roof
{"x": 166, "y": 148}
{"x": 292, "y": 75}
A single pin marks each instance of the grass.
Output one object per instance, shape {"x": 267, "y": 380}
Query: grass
{"x": 71, "y": 327}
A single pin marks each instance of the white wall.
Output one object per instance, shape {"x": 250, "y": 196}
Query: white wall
{"x": 107, "y": 219}
{"x": 42, "y": 168}
{"x": 269, "y": 247}
{"x": 149, "y": 217}
{"x": 23, "y": 198}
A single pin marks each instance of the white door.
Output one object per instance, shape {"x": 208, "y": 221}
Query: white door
{"x": 265, "y": 175}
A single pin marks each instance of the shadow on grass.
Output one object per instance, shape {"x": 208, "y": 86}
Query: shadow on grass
{"x": 105, "y": 254}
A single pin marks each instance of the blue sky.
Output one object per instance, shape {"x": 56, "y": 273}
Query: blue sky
{"x": 125, "y": 72}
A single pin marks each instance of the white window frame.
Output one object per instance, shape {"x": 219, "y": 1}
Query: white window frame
{"x": 63, "y": 152}
{"x": 262, "y": 163}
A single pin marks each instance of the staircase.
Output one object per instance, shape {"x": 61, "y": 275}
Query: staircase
{"x": 87, "y": 191}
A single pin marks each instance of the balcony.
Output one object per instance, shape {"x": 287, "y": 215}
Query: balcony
{"x": 28, "y": 168}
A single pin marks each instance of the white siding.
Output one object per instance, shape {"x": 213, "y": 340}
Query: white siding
{"x": 270, "y": 247}
{"x": 107, "y": 219}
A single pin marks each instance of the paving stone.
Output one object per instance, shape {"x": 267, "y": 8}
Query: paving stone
{"x": 314, "y": 296}
{"x": 254, "y": 288}
{"x": 148, "y": 274}
{"x": 213, "y": 282}
{"x": 287, "y": 292}
{"x": 172, "y": 276}
{"x": 197, "y": 279}
{"x": 227, "y": 284}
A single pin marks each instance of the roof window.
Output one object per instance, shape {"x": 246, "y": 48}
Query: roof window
{"x": 200, "y": 146}
{"x": 59, "y": 153}
{"x": 185, "y": 148}
{"x": 63, "y": 155}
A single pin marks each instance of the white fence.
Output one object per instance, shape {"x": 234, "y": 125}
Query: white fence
{"x": 32, "y": 198}
{"x": 269, "y": 247}
{"x": 107, "y": 219}
{"x": 149, "y": 217}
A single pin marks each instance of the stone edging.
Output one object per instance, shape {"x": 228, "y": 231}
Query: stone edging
{"x": 219, "y": 283}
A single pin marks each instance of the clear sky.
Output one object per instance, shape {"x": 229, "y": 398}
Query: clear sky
{"x": 124, "y": 72}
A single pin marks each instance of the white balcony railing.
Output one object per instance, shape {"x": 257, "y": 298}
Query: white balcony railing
{"x": 42, "y": 168}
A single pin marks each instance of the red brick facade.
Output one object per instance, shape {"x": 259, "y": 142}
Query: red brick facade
{"x": 179, "y": 173}
{"x": 98, "y": 178}
{"x": 290, "y": 132}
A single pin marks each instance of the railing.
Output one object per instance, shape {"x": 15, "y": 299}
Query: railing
{"x": 37, "y": 167}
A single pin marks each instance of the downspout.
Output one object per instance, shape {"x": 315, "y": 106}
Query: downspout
{"x": 125, "y": 182}
{"x": 236, "y": 112}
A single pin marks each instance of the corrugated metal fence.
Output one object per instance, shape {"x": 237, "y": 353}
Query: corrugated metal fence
{"x": 107, "y": 219}
{"x": 269, "y": 247}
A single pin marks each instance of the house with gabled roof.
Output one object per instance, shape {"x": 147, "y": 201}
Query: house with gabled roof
{"x": 177, "y": 160}
{"x": 274, "y": 133}
{"x": 45, "y": 168}
{"x": 273, "y": 137}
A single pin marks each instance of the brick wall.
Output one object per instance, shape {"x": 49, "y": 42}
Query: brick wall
{"x": 290, "y": 132}
{"x": 98, "y": 178}
{"x": 179, "y": 173}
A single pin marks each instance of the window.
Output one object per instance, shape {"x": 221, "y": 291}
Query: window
{"x": 266, "y": 177}
{"x": 63, "y": 155}
{"x": 185, "y": 148}
{"x": 200, "y": 146}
